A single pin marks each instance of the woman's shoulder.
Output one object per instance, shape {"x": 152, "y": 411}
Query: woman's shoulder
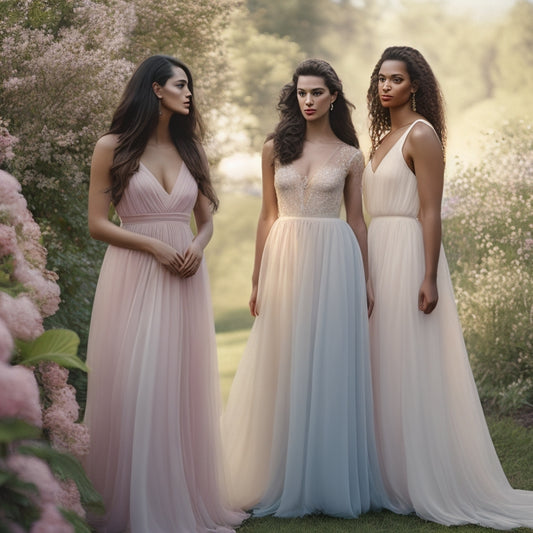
{"x": 104, "y": 149}
{"x": 422, "y": 130}
{"x": 351, "y": 153}
{"x": 268, "y": 153}
{"x": 109, "y": 141}
{"x": 422, "y": 140}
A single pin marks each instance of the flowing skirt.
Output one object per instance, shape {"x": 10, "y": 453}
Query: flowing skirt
{"x": 435, "y": 449}
{"x": 298, "y": 430}
{"x": 153, "y": 398}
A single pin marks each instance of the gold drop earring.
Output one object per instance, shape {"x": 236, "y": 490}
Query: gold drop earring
{"x": 413, "y": 102}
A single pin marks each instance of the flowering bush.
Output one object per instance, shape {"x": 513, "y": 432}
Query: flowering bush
{"x": 488, "y": 232}
{"x": 38, "y": 484}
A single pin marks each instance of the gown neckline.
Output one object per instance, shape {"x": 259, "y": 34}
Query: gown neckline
{"x": 394, "y": 144}
{"x": 160, "y": 184}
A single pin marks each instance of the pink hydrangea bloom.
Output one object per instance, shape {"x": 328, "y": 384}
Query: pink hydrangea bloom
{"x": 66, "y": 435}
{"x": 21, "y": 316}
{"x": 6, "y": 343}
{"x": 8, "y": 240}
{"x": 45, "y": 292}
{"x": 69, "y": 498}
{"x": 9, "y": 189}
{"x": 53, "y": 376}
{"x": 19, "y": 394}
{"x": 51, "y": 521}
{"x": 34, "y": 470}
{"x": 64, "y": 399}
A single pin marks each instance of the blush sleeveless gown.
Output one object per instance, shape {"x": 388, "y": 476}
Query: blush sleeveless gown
{"x": 298, "y": 433}
{"x": 153, "y": 393}
{"x": 435, "y": 450}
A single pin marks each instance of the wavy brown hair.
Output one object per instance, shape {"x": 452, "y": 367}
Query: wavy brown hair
{"x": 136, "y": 118}
{"x": 289, "y": 134}
{"x": 429, "y": 100}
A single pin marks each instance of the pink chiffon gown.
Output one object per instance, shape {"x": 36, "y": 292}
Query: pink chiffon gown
{"x": 153, "y": 402}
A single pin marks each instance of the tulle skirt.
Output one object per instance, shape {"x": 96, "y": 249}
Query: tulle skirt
{"x": 153, "y": 399}
{"x": 298, "y": 433}
{"x": 435, "y": 449}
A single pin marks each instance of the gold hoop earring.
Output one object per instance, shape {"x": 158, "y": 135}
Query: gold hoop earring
{"x": 413, "y": 102}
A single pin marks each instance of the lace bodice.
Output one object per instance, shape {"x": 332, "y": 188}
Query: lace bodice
{"x": 319, "y": 194}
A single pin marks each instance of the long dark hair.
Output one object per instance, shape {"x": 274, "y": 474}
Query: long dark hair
{"x": 429, "y": 100}
{"x": 136, "y": 118}
{"x": 289, "y": 134}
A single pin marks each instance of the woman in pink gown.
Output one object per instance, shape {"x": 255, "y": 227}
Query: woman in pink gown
{"x": 436, "y": 454}
{"x": 153, "y": 394}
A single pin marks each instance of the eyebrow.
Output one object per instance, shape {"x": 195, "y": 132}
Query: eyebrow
{"x": 313, "y": 89}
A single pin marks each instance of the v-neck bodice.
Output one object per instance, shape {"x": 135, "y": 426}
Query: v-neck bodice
{"x": 320, "y": 193}
{"x": 145, "y": 198}
{"x": 391, "y": 189}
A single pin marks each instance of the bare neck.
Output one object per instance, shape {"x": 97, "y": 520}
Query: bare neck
{"x": 401, "y": 117}
{"x": 161, "y": 135}
{"x": 320, "y": 131}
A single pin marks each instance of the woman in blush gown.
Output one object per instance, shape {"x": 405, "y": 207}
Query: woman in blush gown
{"x": 153, "y": 394}
{"x": 298, "y": 432}
{"x": 436, "y": 454}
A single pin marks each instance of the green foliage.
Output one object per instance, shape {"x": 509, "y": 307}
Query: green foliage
{"x": 18, "y": 505}
{"x": 488, "y": 235}
{"x": 515, "y": 48}
{"x": 65, "y": 466}
{"x": 261, "y": 64}
{"x": 190, "y": 30}
{"x": 57, "y": 345}
{"x": 303, "y": 21}
{"x": 79, "y": 525}
{"x": 7, "y": 284}
{"x": 12, "y": 429}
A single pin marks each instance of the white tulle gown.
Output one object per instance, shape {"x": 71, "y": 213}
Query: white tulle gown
{"x": 435, "y": 450}
{"x": 298, "y": 431}
{"x": 153, "y": 404}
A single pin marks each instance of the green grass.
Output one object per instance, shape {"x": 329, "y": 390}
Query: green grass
{"x": 384, "y": 522}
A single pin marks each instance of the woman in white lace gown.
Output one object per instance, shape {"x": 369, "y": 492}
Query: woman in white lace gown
{"x": 435, "y": 450}
{"x": 298, "y": 432}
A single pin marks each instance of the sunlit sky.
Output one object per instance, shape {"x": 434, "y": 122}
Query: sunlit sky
{"x": 481, "y": 9}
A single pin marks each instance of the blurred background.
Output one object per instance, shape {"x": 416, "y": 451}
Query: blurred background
{"x": 64, "y": 64}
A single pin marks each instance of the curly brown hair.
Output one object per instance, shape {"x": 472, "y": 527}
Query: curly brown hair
{"x": 429, "y": 100}
{"x": 289, "y": 134}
